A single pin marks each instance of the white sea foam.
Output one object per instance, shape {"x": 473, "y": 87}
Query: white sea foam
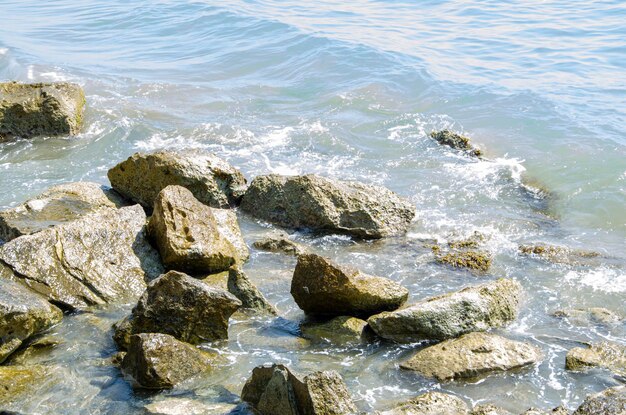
{"x": 601, "y": 279}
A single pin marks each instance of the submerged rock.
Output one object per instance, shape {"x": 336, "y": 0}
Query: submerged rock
{"x": 279, "y": 243}
{"x": 159, "y": 361}
{"x": 431, "y": 403}
{"x": 275, "y": 390}
{"x": 608, "y": 402}
{"x": 470, "y": 356}
{"x": 18, "y": 382}
{"x": 59, "y": 204}
{"x": 101, "y": 257}
{"x": 455, "y": 141}
{"x": 29, "y": 110}
{"x": 489, "y": 409}
{"x": 328, "y": 205}
{"x": 559, "y": 254}
{"x": 475, "y": 308}
{"x": 322, "y": 287}
{"x": 588, "y": 315}
{"x": 251, "y": 298}
{"x": 23, "y": 313}
{"x": 475, "y": 260}
{"x": 212, "y": 180}
{"x": 186, "y": 406}
{"x": 181, "y": 306}
{"x": 339, "y": 330}
{"x": 606, "y": 355}
{"x": 193, "y": 237}
{"x": 35, "y": 348}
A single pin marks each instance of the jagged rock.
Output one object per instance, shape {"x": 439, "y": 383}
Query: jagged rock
{"x": 29, "y": 110}
{"x": 186, "y": 406}
{"x": 475, "y": 308}
{"x": 58, "y": 204}
{"x": 101, "y": 257}
{"x": 585, "y": 316}
{"x": 455, "y": 141}
{"x": 559, "y": 254}
{"x": 322, "y": 287}
{"x": 23, "y": 313}
{"x": 606, "y": 355}
{"x": 251, "y": 298}
{"x": 339, "y": 330}
{"x": 431, "y": 403}
{"x": 489, "y": 409}
{"x": 181, "y": 306}
{"x": 328, "y": 205}
{"x": 194, "y": 237}
{"x": 275, "y": 390}
{"x": 608, "y": 402}
{"x": 471, "y": 355}
{"x": 279, "y": 242}
{"x": 159, "y": 361}
{"x": 212, "y": 180}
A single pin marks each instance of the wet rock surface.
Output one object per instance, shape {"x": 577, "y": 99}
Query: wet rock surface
{"x": 431, "y": 403}
{"x": 279, "y": 242}
{"x": 17, "y": 382}
{"x": 251, "y": 298}
{"x": 598, "y": 315}
{"x": 474, "y": 260}
{"x": 159, "y": 361}
{"x": 455, "y": 141}
{"x": 472, "y": 355}
{"x": 275, "y": 390}
{"x": 181, "y": 306}
{"x": 101, "y": 257}
{"x": 475, "y": 308}
{"x": 609, "y": 402}
{"x": 186, "y": 406}
{"x": 608, "y": 355}
{"x": 559, "y": 254}
{"x": 328, "y": 205}
{"x": 59, "y": 204}
{"x": 322, "y": 287}
{"x": 489, "y": 409}
{"x": 23, "y": 313}
{"x": 193, "y": 237}
{"x": 338, "y": 330}
{"x": 212, "y": 180}
{"x": 40, "y": 109}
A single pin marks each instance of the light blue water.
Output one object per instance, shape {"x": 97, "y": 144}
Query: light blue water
{"x": 351, "y": 90}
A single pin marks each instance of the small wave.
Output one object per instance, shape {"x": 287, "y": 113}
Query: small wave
{"x": 602, "y": 279}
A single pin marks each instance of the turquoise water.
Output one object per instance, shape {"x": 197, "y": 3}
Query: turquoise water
{"x": 351, "y": 90}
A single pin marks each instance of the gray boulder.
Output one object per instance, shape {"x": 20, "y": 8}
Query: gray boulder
{"x": 23, "y": 313}
{"x": 328, "y": 205}
{"x": 608, "y": 355}
{"x": 608, "y": 402}
{"x": 275, "y": 390}
{"x": 431, "y": 403}
{"x": 212, "y": 180}
{"x": 251, "y": 298}
{"x": 181, "y": 306}
{"x": 159, "y": 361}
{"x": 322, "y": 287}
{"x": 51, "y": 109}
{"x": 193, "y": 237}
{"x": 101, "y": 257}
{"x": 475, "y": 308}
{"x": 58, "y": 204}
{"x": 470, "y": 356}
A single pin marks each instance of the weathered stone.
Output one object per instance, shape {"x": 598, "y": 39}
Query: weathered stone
{"x": 101, "y": 257}
{"x": 251, "y": 298}
{"x": 431, "y": 403}
{"x": 279, "y": 243}
{"x": 475, "y": 260}
{"x": 59, "y": 204}
{"x": 29, "y": 110}
{"x": 322, "y": 287}
{"x": 275, "y": 390}
{"x": 585, "y": 316}
{"x": 159, "y": 361}
{"x": 212, "y": 180}
{"x": 23, "y": 313}
{"x": 556, "y": 411}
{"x": 606, "y": 355}
{"x": 455, "y": 141}
{"x": 339, "y": 330}
{"x": 489, "y": 409}
{"x": 183, "y": 307}
{"x": 189, "y": 235}
{"x": 559, "y": 254}
{"x": 328, "y": 205}
{"x": 186, "y": 406}
{"x": 34, "y": 349}
{"x": 18, "y": 382}
{"x": 475, "y": 308}
{"x": 608, "y": 402}
{"x": 470, "y": 356}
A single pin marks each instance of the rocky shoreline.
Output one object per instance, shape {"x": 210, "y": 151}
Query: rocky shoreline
{"x": 166, "y": 236}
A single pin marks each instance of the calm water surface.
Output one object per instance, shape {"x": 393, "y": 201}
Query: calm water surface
{"x": 351, "y": 90}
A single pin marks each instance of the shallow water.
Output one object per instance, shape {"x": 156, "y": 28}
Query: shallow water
{"x": 351, "y": 90}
